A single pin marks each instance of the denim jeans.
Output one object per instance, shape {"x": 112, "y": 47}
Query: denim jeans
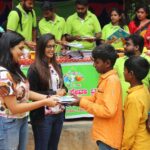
{"x": 103, "y": 146}
{"x": 47, "y": 132}
{"x": 13, "y": 133}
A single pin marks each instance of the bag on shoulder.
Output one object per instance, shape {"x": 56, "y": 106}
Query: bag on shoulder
{"x": 4, "y": 24}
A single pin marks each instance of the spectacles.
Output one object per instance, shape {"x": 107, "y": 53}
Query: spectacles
{"x": 51, "y": 46}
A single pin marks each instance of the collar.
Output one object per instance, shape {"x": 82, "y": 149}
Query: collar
{"x": 125, "y": 57}
{"x": 88, "y": 15}
{"x": 107, "y": 74}
{"x": 21, "y": 9}
{"x": 57, "y": 19}
{"x": 114, "y": 27}
{"x": 132, "y": 89}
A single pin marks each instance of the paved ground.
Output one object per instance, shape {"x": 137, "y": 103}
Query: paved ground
{"x": 75, "y": 136}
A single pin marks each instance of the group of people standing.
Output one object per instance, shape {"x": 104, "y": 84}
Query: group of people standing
{"x": 44, "y": 81}
{"x": 82, "y": 27}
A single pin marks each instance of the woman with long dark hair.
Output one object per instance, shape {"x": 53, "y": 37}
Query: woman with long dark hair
{"x": 117, "y": 21}
{"x": 14, "y": 94}
{"x": 141, "y": 24}
{"x": 45, "y": 76}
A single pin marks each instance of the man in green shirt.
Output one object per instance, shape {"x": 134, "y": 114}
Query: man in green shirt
{"x": 52, "y": 23}
{"x": 83, "y": 26}
{"x": 27, "y": 27}
{"x": 133, "y": 47}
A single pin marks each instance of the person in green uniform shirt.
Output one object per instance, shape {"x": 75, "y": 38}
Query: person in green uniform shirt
{"x": 52, "y": 23}
{"x": 28, "y": 21}
{"x": 83, "y": 26}
{"x": 133, "y": 47}
{"x": 117, "y": 22}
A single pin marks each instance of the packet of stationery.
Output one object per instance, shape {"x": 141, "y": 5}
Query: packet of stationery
{"x": 66, "y": 99}
{"x": 74, "y": 54}
{"x": 88, "y": 37}
{"x": 75, "y": 45}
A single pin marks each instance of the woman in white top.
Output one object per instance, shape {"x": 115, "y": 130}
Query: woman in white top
{"x": 14, "y": 94}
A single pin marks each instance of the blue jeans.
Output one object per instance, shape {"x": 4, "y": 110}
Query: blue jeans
{"x": 103, "y": 146}
{"x": 47, "y": 132}
{"x": 13, "y": 133}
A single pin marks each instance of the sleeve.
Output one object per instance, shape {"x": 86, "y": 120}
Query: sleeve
{"x": 34, "y": 20}
{"x": 119, "y": 67}
{"x": 33, "y": 79}
{"x": 146, "y": 80}
{"x": 116, "y": 65}
{"x": 64, "y": 27}
{"x": 90, "y": 98}
{"x": 126, "y": 29}
{"x": 6, "y": 85}
{"x": 131, "y": 27}
{"x": 132, "y": 114}
{"x": 104, "y": 33}
{"x": 110, "y": 98}
{"x": 97, "y": 26}
{"x": 68, "y": 26}
{"x": 12, "y": 21}
{"x": 41, "y": 27}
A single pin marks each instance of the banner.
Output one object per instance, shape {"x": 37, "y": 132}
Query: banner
{"x": 81, "y": 79}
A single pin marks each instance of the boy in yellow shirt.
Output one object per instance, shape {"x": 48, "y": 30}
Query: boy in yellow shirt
{"x": 137, "y": 105}
{"x": 106, "y": 103}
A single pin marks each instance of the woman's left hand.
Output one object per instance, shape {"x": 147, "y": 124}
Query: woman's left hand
{"x": 61, "y": 92}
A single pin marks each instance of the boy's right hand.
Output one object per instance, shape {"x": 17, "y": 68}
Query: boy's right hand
{"x": 76, "y": 102}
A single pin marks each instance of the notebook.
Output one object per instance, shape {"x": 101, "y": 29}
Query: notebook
{"x": 120, "y": 33}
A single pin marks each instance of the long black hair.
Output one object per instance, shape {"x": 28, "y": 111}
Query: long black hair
{"x": 122, "y": 21}
{"x": 42, "y": 64}
{"x": 146, "y": 9}
{"x": 9, "y": 40}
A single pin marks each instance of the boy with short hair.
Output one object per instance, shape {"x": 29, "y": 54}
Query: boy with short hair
{"x": 137, "y": 105}
{"x": 106, "y": 103}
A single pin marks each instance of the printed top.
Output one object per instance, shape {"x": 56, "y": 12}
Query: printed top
{"x": 9, "y": 88}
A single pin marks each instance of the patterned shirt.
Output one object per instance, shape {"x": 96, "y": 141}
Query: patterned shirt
{"x": 9, "y": 88}
{"x": 55, "y": 86}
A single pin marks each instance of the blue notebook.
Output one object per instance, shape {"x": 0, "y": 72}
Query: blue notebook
{"x": 120, "y": 33}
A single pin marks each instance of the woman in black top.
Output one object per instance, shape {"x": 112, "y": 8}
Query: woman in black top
{"x": 45, "y": 76}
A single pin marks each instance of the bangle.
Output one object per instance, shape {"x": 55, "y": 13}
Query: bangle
{"x": 48, "y": 96}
